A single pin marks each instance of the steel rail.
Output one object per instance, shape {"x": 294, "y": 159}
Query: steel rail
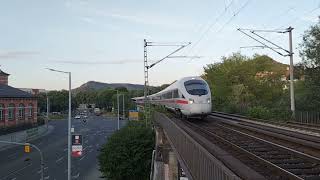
{"x": 280, "y": 170}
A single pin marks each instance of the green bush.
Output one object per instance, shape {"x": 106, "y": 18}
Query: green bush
{"x": 259, "y": 112}
{"x": 128, "y": 153}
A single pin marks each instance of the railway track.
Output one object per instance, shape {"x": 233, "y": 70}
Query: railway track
{"x": 311, "y": 128}
{"x": 271, "y": 160}
{"x": 308, "y": 143}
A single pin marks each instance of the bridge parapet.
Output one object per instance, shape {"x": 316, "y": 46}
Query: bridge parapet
{"x": 195, "y": 160}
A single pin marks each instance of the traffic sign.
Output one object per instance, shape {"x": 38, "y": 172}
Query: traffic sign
{"x": 76, "y": 139}
{"x": 76, "y": 145}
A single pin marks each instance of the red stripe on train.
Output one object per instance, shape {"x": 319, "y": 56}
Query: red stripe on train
{"x": 181, "y": 102}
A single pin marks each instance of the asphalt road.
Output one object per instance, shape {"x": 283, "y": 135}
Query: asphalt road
{"x": 16, "y": 165}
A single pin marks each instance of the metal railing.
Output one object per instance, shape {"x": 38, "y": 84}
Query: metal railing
{"x": 199, "y": 163}
{"x": 308, "y": 117}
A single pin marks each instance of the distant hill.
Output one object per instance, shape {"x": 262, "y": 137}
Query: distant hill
{"x": 93, "y": 85}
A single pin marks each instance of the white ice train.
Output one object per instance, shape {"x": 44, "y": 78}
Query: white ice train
{"x": 188, "y": 97}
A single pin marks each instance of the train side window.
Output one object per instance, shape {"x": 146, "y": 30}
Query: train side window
{"x": 175, "y": 93}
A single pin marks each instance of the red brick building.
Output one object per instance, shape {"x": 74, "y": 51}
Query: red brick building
{"x": 16, "y": 107}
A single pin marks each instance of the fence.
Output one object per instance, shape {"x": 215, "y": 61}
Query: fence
{"x": 308, "y": 117}
{"x": 199, "y": 162}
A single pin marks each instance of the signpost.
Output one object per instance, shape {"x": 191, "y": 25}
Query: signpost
{"x": 76, "y": 145}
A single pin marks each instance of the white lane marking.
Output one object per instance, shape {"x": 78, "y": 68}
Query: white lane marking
{"x": 90, "y": 150}
{"x": 15, "y": 172}
{"x": 76, "y": 176}
{"x": 82, "y": 157}
{"x": 86, "y": 141}
{"x": 65, "y": 149}
{"x": 60, "y": 159}
{"x": 47, "y": 177}
{"x": 13, "y": 178}
{"x": 11, "y": 155}
{"x": 86, "y": 147}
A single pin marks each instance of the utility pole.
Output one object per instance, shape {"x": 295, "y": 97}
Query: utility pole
{"x": 146, "y": 107}
{"x": 123, "y": 111}
{"x": 293, "y": 108}
{"x": 69, "y": 130}
{"x": 147, "y": 67}
{"x": 118, "y": 110}
{"x": 274, "y": 47}
{"x": 47, "y": 110}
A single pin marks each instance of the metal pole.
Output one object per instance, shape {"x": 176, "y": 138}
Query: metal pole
{"x": 146, "y": 82}
{"x": 69, "y": 130}
{"x": 28, "y": 144}
{"x": 123, "y": 107}
{"x": 41, "y": 159}
{"x": 47, "y": 110}
{"x": 293, "y": 108}
{"x": 118, "y": 110}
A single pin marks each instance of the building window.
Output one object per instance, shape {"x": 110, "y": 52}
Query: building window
{"x": 11, "y": 112}
{"x": 1, "y": 112}
{"x": 21, "y": 111}
{"x": 30, "y": 111}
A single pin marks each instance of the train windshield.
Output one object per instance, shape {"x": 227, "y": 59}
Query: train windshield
{"x": 196, "y": 87}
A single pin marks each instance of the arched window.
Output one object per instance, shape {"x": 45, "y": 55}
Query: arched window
{"x": 30, "y": 111}
{"x": 1, "y": 112}
{"x": 11, "y": 112}
{"x": 21, "y": 111}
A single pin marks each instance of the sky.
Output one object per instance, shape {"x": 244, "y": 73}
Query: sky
{"x": 102, "y": 40}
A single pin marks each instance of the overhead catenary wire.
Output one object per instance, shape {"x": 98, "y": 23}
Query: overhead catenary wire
{"x": 230, "y": 19}
{"x": 260, "y": 42}
{"x": 210, "y": 26}
{"x": 270, "y": 42}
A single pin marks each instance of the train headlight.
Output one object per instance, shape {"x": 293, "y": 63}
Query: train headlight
{"x": 209, "y": 100}
{"x": 191, "y": 101}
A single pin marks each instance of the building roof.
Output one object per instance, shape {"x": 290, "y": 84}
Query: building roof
{"x": 3, "y": 73}
{"x": 11, "y": 92}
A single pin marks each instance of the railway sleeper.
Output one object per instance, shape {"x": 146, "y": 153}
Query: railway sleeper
{"x": 313, "y": 171}
{"x": 296, "y": 166}
{"x": 286, "y": 161}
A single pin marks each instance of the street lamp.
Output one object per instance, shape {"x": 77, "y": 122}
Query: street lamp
{"x": 69, "y": 122}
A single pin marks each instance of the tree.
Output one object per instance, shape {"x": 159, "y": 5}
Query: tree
{"x": 239, "y": 83}
{"x": 128, "y": 153}
{"x": 308, "y": 94}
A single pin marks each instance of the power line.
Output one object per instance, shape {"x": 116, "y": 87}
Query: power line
{"x": 260, "y": 42}
{"x": 211, "y": 25}
{"x": 234, "y": 15}
{"x": 230, "y": 19}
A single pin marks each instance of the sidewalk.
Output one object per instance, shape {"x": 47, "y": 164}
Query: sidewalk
{"x": 25, "y": 135}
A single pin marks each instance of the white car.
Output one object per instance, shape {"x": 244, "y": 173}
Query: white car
{"x": 77, "y": 117}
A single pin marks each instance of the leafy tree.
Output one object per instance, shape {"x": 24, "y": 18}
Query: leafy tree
{"x": 239, "y": 83}
{"x": 310, "y": 53}
{"x": 127, "y": 153}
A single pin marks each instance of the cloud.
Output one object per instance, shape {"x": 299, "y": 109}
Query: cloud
{"x": 16, "y": 54}
{"x": 97, "y": 62}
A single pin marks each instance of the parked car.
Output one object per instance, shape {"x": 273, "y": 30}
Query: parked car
{"x": 77, "y": 117}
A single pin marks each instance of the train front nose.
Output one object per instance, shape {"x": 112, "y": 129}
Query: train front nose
{"x": 199, "y": 109}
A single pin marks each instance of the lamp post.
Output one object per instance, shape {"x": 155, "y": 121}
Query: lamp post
{"x": 47, "y": 119}
{"x": 69, "y": 122}
{"x": 118, "y": 109}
